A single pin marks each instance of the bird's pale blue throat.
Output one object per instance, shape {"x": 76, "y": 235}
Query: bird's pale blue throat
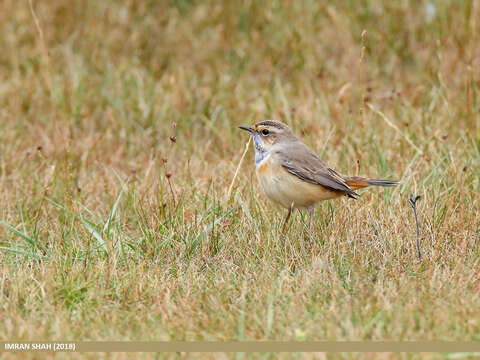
{"x": 261, "y": 153}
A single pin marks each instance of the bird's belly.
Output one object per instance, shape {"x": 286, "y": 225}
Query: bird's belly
{"x": 284, "y": 188}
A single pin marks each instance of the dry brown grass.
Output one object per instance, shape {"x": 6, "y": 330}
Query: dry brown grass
{"x": 91, "y": 125}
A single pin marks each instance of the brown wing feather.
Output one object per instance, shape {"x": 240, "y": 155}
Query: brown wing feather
{"x": 301, "y": 161}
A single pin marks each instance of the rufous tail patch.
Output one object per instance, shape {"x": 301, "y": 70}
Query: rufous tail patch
{"x": 356, "y": 184}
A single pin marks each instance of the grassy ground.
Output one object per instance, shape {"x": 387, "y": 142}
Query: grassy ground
{"x": 111, "y": 230}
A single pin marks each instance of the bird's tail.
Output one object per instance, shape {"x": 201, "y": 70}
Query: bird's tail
{"x": 357, "y": 182}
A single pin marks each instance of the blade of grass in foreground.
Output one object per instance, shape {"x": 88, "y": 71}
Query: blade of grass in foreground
{"x": 19, "y": 233}
{"x": 25, "y": 237}
{"x": 106, "y": 227}
{"x": 245, "y": 209}
{"x": 87, "y": 223}
{"x": 91, "y": 229}
{"x": 200, "y": 237}
{"x": 20, "y": 252}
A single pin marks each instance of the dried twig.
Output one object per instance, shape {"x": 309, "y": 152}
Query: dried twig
{"x": 413, "y": 203}
{"x": 229, "y": 192}
{"x": 46, "y": 59}
{"x": 169, "y": 175}
{"x": 395, "y": 127}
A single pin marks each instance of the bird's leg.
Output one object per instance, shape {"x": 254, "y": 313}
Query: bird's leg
{"x": 311, "y": 210}
{"x": 287, "y": 218}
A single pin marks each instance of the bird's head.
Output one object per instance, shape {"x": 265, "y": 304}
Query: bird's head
{"x": 267, "y": 133}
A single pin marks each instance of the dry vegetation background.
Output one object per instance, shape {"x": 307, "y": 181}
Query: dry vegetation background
{"x": 113, "y": 231}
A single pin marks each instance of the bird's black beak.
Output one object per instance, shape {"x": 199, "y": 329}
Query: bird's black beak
{"x": 246, "y": 128}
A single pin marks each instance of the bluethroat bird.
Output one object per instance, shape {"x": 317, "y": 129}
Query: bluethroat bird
{"x": 293, "y": 176}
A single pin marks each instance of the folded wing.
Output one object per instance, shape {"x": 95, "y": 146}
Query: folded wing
{"x": 301, "y": 161}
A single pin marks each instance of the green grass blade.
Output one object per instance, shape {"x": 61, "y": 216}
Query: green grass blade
{"x": 19, "y": 233}
{"x": 106, "y": 227}
{"x": 20, "y": 252}
{"x": 91, "y": 229}
{"x": 381, "y": 160}
{"x": 245, "y": 209}
{"x": 200, "y": 237}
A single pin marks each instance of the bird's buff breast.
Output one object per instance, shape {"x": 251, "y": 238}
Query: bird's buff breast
{"x": 284, "y": 188}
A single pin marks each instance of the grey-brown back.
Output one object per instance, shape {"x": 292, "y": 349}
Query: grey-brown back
{"x": 301, "y": 161}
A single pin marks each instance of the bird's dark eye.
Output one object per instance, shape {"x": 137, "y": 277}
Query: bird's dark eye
{"x": 265, "y": 132}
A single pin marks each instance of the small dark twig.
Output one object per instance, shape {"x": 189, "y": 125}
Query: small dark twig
{"x": 413, "y": 203}
{"x": 169, "y": 175}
